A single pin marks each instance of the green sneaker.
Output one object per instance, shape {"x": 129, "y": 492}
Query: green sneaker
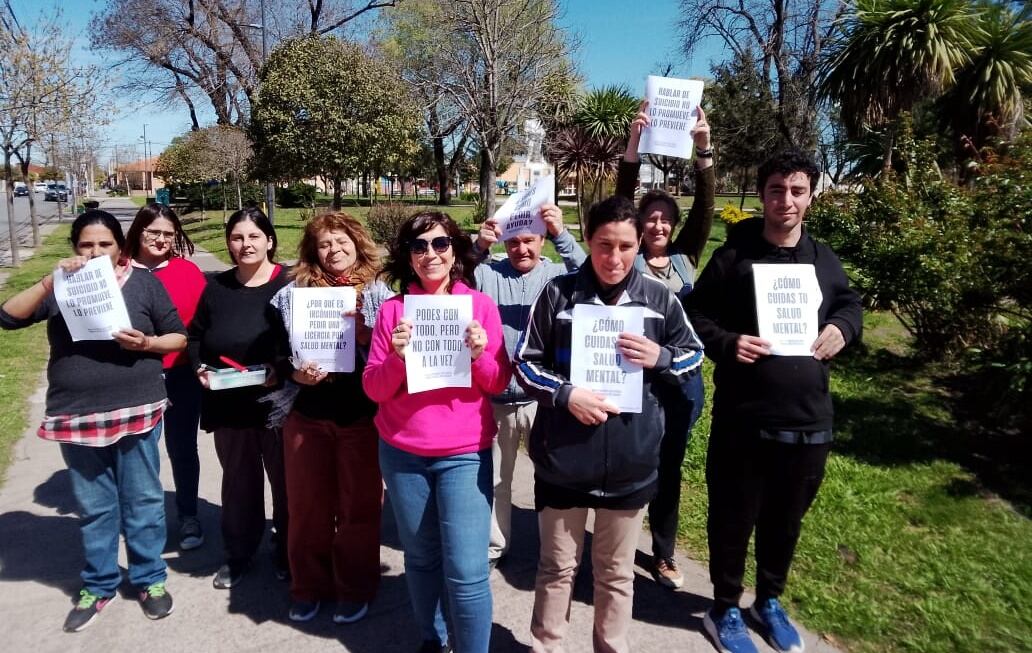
{"x": 156, "y": 601}
{"x": 85, "y": 611}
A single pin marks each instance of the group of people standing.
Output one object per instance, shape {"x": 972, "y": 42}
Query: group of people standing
{"x": 331, "y": 443}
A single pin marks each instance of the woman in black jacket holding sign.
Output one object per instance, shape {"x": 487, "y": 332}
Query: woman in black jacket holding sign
{"x": 586, "y": 453}
{"x": 334, "y": 490}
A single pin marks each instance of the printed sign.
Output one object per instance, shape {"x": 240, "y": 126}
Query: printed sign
{"x": 673, "y": 105}
{"x": 596, "y": 363}
{"x": 437, "y": 355}
{"x": 319, "y": 331}
{"x": 91, "y": 301}
{"x": 521, "y": 213}
{"x": 787, "y": 299}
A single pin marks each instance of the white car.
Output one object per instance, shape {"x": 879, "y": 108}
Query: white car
{"x": 39, "y": 187}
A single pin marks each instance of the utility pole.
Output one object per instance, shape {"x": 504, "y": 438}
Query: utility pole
{"x": 270, "y": 190}
{"x": 147, "y": 180}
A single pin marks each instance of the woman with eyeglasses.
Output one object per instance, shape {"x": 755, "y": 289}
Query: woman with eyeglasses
{"x": 156, "y": 243}
{"x": 435, "y": 446}
{"x": 235, "y": 325}
{"x": 105, "y": 402}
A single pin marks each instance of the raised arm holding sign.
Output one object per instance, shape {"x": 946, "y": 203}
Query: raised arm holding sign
{"x": 521, "y": 213}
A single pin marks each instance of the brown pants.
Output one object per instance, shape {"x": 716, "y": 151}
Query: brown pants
{"x": 613, "y": 545}
{"x": 335, "y": 496}
{"x": 246, "y": 456}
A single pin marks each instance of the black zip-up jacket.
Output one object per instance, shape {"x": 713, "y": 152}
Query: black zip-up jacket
{"x": 612, "y": 465}
{"x": 787, "y": 393}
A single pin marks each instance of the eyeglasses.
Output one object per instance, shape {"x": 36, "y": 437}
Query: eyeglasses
{"x": 421, "y": 246}
{"x": 152, "y": 234}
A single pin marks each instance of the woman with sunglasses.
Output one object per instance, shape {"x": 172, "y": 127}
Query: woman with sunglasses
{"x": 156, "y": 243}
{"x": 105, "y": 402}
{"x": 334, "y": 489}
{"x": 236, "y": 325}
{"x": 673, "y": 262}
{"x": 435, "y": 446}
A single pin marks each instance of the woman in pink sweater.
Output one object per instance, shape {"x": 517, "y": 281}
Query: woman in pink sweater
{"x": 435, "y": 446}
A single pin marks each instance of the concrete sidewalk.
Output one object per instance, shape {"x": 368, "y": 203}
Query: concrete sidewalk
{"x": 41, "y": 556}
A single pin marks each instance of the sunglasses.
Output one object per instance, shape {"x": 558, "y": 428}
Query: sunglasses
{"x": 421, "y": 246}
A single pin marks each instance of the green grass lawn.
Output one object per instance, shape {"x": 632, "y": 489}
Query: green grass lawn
{"x": 905, "y": 548}
{"x": 23, "y": 353}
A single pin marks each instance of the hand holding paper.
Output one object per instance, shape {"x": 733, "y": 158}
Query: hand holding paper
{"x": 400, "y": 336}
{"x": 476, "y": 339}
{"x": 638, "y": 349}
{"x": 750, "y": 349}
{"x": 553, "y": 217}
{"x": 590, "y": 408}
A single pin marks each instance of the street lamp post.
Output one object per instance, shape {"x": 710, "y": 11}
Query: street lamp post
{"x": 270, "y": 189}
{"x": 148, "y": 181}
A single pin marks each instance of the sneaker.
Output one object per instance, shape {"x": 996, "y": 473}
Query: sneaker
{"x": 777, "y": 629}
{"x": 156, "y": 601}
{"x": 666, "y": 573}
{"x": 729, "y": 632}
{"x": 85, "y": 611}
{"x": 348, "y": 612}
{"x": 228, "y": 576}
{"x": 190, "y": 534}
{"x": 434, "y": 646}
{"x": 303, "y": 610}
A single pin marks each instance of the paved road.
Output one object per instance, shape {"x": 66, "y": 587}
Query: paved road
{"x": 47, "y": 212}
{"x": 41, "y": 555}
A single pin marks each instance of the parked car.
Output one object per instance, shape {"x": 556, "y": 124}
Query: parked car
{"x": 20, "y": 190}
{"x": 39, "y": 187}
{"x": 56, "y": 193}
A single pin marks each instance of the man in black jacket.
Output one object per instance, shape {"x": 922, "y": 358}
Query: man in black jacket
{"x": 772, "y": 415}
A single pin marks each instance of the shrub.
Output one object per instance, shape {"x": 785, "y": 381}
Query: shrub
{"x": 469, "y": 197}
{"x": 212, "y": 195}
{"x": 731, "y": 214}
{"x": 296, "y": 195}
{"x": 385, "y": 220}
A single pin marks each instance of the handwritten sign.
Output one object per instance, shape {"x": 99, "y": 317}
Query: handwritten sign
{"x": 787, "y": 299}
{"x": 596, "y": 363}
{"x": 318, "y": 329}
{"x": 521, "y": 213}
{"x": 437, "y": 355}
{"x": 673, "y": 110}
{"x": 91, "y": 301}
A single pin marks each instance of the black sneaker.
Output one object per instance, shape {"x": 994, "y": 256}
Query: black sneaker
{"x": 303, "y": 610}
{"x": 228, "y": 575}
{"x": 190, "y": 534}
{"x": 156, "y": 601}
{"x": 348, "y": 612}
{"x": 85, "y": 611}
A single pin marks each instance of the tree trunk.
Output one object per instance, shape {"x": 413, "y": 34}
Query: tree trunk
{"x": 25, "y": 162}
{"x": 580, "y": 207}
{"x": 9, "y": 178}
{"x": 889, "y": 141}
{"x": 487, "y": 182}
{"x": 240, "y": 200}
{"x": 336, "y": 202}
{"x": 443, "y": 194}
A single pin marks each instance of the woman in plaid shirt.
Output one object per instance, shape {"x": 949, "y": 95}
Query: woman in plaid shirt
{"x": 105, "y": 401}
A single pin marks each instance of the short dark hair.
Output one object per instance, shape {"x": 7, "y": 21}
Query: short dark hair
{"x": 785, "y": 163}
{"x": 612, "y": 209}
{"x": 96, "y": 216}
{"x": 260, "y": 220}
{"x": 181, "y": 245}
{"x": 658, "y": 196}
{"x": 398, "y": 269}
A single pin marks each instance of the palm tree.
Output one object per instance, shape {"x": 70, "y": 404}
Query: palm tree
{"x": 606, "y": 111}
{"x": 890, "y": 54}
{"x": 572, "y": 153}
{"x": 986, "y": 100}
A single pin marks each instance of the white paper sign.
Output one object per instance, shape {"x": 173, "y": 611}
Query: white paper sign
{"x": 437, "y": 355}
{"x": 91, "y": 301}
{"x": 673, "y": 105}
{"x": 318, "y": 329}
{"x": 521, "y": 213}
{"x": 787, "y": 299}
{"x": 595, "y": 362}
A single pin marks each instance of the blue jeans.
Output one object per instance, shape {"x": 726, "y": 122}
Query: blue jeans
{"x": 181, "y": 420}
{"x": 442, "y": 506}
{"x": 119, "y": 491}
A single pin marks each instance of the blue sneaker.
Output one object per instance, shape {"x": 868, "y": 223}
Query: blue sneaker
{"x": 778, "y": 630}
{"x": 729, "y": 632}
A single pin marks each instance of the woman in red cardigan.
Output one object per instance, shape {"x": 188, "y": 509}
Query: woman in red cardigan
{"x": 156, "y": 242}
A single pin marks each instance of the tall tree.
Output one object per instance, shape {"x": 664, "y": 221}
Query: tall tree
{"x": 326, "y": 107}
{"x": 498, "y": 66}
{"x": 180, "y": 50}
{"x": 889, "y": 54}
{"x": 785, "y": 37}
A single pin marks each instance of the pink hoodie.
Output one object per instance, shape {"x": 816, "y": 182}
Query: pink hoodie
{"x": 440, "y": 422}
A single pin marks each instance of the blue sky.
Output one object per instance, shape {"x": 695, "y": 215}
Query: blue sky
{"x": 621, "y": 42}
